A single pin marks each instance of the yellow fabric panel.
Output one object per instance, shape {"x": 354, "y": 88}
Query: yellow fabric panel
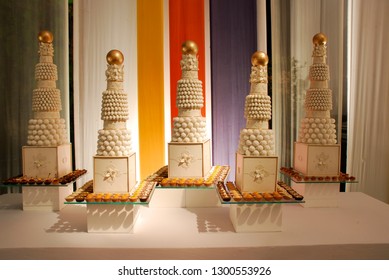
{"x": 150, "y": 86}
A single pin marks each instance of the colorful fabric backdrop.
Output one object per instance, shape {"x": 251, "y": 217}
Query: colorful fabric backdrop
{"x": 150, "y": 34}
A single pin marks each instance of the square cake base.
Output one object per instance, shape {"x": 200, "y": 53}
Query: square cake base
{"x": 318, "y": 195}
{"x": 111, "y": 218}
{"x": 189, "y": 160}
{"x": 43, "y": 162}
{"x": 317, "y": 160}
{"x": 256, "y": 217}
{"x": 114, "y": 174}
{"x": 45, "y": 198}
{"x": 256, "y": 174}
{"x": 184, "y": 198}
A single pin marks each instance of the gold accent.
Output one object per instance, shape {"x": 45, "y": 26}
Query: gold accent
{"x": 259, "y": 58}
{"x": 319, "y": 39}
{"x": 189, "y": 47}
{"x": 45, "y": 36}
{"x": 115, "y": 57}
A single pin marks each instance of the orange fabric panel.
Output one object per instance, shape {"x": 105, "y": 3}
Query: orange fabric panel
{"x": 150, "y": 86}
{"x": 186, "y": 22}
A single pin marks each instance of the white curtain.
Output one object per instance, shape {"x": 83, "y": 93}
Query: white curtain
{"x": 21, "y": 21}
{"x": 100, "y": 26}
{"x": 294, "y": 23}
{"x": 368, "y": 148}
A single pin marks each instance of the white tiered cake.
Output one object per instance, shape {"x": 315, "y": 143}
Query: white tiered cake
{"x": 48, "y": 153}
{"x": 316, "y": 153}
{"x": 114, "y": 163}
{"x": 256, "y": 163}
{"x": 189, "y": 149}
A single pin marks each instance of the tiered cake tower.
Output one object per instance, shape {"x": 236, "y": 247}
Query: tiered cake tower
{"x": 189, "y": 149}
{"x": 48, "y": 153}
{"x": 256, "y": 163}
{"x": 115, "y": 162}
{"x": 316, "y": 153}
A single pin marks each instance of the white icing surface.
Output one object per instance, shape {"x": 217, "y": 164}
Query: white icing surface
{"x": 189, "y": 129}
{"x": 317, "y": 131}
{"x": 46, "y": 128}
{"x": 256, "y": 142}
{"x": 115, "y": 142}
{"x": 47, "y": 132}
{"x": 190, "y": 125}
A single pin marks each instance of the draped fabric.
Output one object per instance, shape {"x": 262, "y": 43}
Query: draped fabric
{"x": 151, "y": 85}
{"x": 233, "y": 41}
{"x": 100, "y": 26}
{"x": 368, "y": 153}
{"x": 21, "y": 22}
{"x": 186, "y": 22}
{"x": 294, "y": 23}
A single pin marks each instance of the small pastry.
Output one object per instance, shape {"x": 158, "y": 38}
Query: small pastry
{"x": 257, "y": 196}
{"x": 267, "y": 196}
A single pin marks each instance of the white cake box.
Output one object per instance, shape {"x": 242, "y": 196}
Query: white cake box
{"x": 317, "y": 160}
{"x": 111, "y": 218}
{"x": 256, "y": 217}
{"x": 46, "y": 162}
{"x": 189, "y": 160}
{"x": 256, "y": 174}
{"x": 324, "y": 195}
{"x": 114, "y": 174}
{"x": 50, "y": 198}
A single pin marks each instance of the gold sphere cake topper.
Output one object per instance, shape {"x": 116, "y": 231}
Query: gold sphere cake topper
{"x": 115, "y": 57}
{"x": 259, "y": 58}
{"x": 45, "y": 36}
{"x": 319, "y": 39}
{"x": 189, "y": 47}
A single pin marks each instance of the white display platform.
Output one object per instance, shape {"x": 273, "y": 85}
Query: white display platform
{"x": 50, "y": 198}
{"x": 318, "y": 195}
{"x": 181, "y": 197}
{"x": 256, "y": 217}
{"x": 111, "y": 218}
{"x": 357, "y": 229}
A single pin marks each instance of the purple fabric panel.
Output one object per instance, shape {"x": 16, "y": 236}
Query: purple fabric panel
{"x": 233, "y": 41}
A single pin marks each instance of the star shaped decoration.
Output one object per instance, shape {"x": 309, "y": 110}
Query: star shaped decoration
{"x": 110, "y": 174}
{"x": 322, "y": 161}
{"x": 185, "y": 160}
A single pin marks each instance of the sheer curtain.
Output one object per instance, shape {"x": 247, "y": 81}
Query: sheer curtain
{"x": 100, "y": 26}
{"x": 294, "y": 23}
{"x": 368, "y": 153}
{"x": 21, "y": 22}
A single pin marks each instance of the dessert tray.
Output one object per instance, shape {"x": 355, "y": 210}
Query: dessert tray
{"x": 63, "y": 181}
{"x": 298, "y": 177}
{"x": 216, "y": 174}
{"x": 230, "y": 194}
{"x": 141, "y": 194}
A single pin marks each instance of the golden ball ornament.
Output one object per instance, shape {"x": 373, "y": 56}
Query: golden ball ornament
{"x": 115, "y": 57}
{"x": 259, "y": 58}
{"x": 189, "y": 47}
{"x": 45, "y": 36}
{"x": 319, "y": 39}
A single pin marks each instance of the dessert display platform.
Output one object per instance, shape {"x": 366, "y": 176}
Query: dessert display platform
{"x": 357, "y": 229}
{"x": 45, "y": 194}
{"x": 187, "y": 192}
{"x": 318, "y": 191}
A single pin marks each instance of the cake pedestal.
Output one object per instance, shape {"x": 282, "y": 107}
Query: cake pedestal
{"x": 256, "y": 217}
{"x": 189, "y": 160}
{"x": 45, "y": 162}
{"x": 114, "y": 174}
{"x": 111, "y": 218}
{"x": 185, "y": 198}
{"x": 318, "y": 194}
{"x": 45, "y": 198}
{"x": 256, "y": 174}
